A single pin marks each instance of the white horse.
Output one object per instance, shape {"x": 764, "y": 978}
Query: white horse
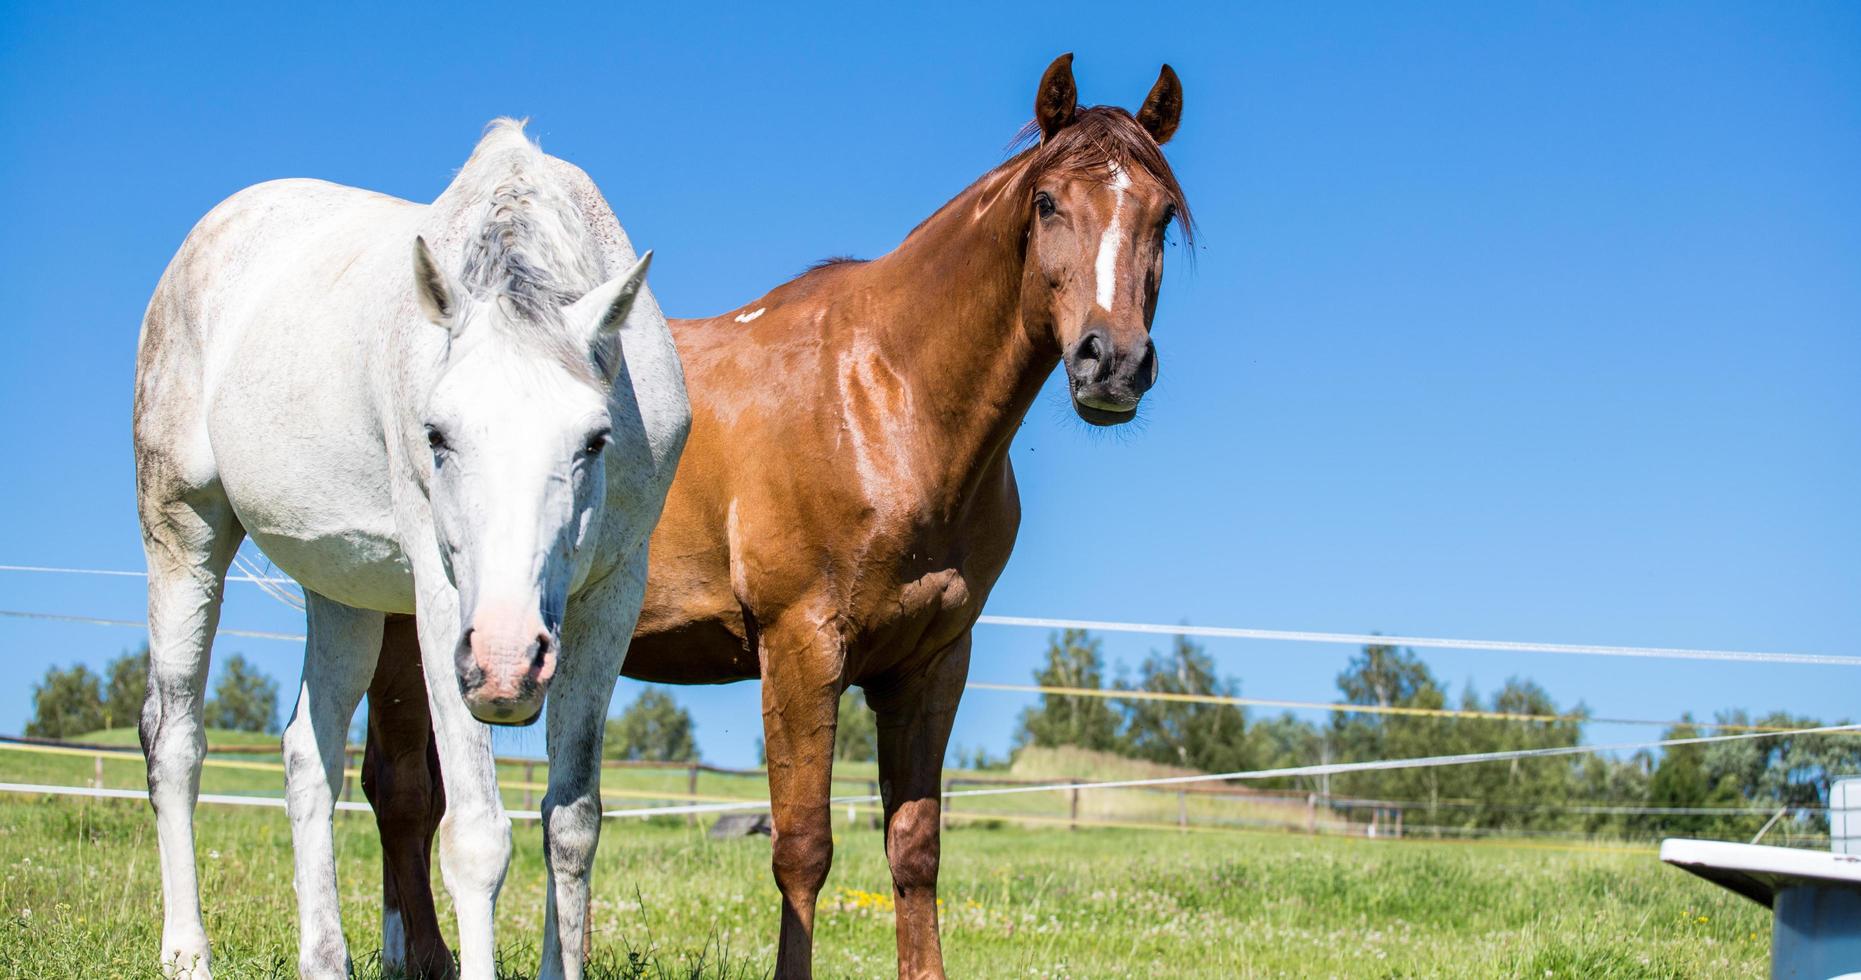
{"x": 487, "y": 449}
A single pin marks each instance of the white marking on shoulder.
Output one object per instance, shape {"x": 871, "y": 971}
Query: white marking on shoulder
{"x": 1107, "y": 266}
{"x": 747, "y": 317}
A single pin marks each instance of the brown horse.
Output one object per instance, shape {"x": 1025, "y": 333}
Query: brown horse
{"x": 845, "y": 502}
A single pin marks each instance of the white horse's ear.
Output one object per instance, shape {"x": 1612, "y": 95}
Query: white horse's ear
{"x": 606, "y": 306}
{"x": 432, "y": 289}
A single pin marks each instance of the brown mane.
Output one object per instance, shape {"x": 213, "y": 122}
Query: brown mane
{"x": 1099, "y": 136}
{"x": 831, "y": 260}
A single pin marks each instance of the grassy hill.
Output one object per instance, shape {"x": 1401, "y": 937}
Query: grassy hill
{"x": 1200, "y": 804}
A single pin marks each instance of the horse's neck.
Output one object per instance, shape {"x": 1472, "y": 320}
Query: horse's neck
{"x": 955, "y": 324}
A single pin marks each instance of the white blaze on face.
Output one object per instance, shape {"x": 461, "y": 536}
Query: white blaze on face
{"x": 515, "y": 495}
{"x": 1113, "y": 237}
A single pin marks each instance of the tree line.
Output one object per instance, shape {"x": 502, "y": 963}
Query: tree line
{"x": 72, "y": 701}
{"x": 1723, "y": 789}
{"x": 654, "y": 727}
{"x": 1593, "y": 793}
{"x": 68, "y": 702}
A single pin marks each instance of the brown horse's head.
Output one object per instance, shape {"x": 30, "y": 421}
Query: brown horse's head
{"x": 1102, "y": 199}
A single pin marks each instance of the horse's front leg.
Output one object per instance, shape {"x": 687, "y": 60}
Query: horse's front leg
{"x": 339, "y": 659}
{"x": 595, "y": 632}
{"x": 914, "y": 719}
{"x": 474, "y": 835}
{"x": 803, "y": 661}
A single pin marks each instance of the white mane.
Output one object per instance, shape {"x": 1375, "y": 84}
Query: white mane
{"x": 524, "y": 245}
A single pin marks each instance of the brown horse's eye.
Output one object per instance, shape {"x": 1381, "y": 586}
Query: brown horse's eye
{"x": 1043, "y": 204}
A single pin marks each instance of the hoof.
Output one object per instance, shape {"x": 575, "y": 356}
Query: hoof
{"x": 186, "y": 961}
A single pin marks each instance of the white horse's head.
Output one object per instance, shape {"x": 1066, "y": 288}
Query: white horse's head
{"x": 517, "y": 423}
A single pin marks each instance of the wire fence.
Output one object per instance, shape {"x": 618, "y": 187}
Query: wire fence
{"x": 1201, "y": 801}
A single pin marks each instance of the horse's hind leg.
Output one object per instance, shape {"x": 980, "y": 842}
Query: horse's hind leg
{"x": 189, "y": 536}
{"x": 914, "y": 719}
{"x": 339, "y": 659}
{"x": 400, "y": 775}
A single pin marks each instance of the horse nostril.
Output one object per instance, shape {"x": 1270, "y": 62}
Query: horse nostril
{"x": 1147, "y": 368}
{"x": 1092, "y": 358}
{"x": 542, "y": 651}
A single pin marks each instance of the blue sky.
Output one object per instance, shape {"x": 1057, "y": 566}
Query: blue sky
{"x": 1509, "y": 321}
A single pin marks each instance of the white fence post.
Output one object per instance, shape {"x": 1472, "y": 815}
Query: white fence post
{"x": 1845, "y": 815}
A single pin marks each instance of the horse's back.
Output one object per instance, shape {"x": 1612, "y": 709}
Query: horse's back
{"x": 195, "y": 299}
{"x": 238, "y": 258}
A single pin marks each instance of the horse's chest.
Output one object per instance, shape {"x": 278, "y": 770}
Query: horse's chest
{"x": 910, "y": 620}
{"x": 923, "y": 586}
{"x": 935, "y": 595}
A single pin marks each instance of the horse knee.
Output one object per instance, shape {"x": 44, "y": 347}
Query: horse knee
{"x": 170, "y": 708}
{"x": 802, "y": 857}
{"x": 299, "y": 747}
{"x": 571, "y": 833}
{"x": 401, "y": 795}
{"x": 474, "y": 851}
{"x": 912, "y": 845}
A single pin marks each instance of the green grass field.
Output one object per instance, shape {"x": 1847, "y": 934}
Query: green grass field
{"x": 80, "y": 897}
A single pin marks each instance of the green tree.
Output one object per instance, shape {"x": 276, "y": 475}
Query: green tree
{"x": 1519, "y": 794}
{"x": 1605, "y": 781}
{"x": 66, "y": 703}
{"x": 1074, "y": 659}
{"x": 1525, "y": 793}
{"x": 856, "y": 733}
{"x": 1787, "y": 770}
{"x": 1385, "y": 676}
{"x": 1282, "y": 742}
{"x": 654, "y": 727}
{"x": 1679, "y": 780}
{"x": 1200, "y": 735}
{"x": 125, "y": 686}
{"x": 244, "y": 700}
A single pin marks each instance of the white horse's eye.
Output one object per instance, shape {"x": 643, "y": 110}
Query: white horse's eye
{"x": 595, "y": 444}
{"x": 435, "y": 440}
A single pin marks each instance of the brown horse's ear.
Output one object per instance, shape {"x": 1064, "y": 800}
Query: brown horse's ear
{"x": 1058, "y": 99}
{"x": 1163, "y": 109}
